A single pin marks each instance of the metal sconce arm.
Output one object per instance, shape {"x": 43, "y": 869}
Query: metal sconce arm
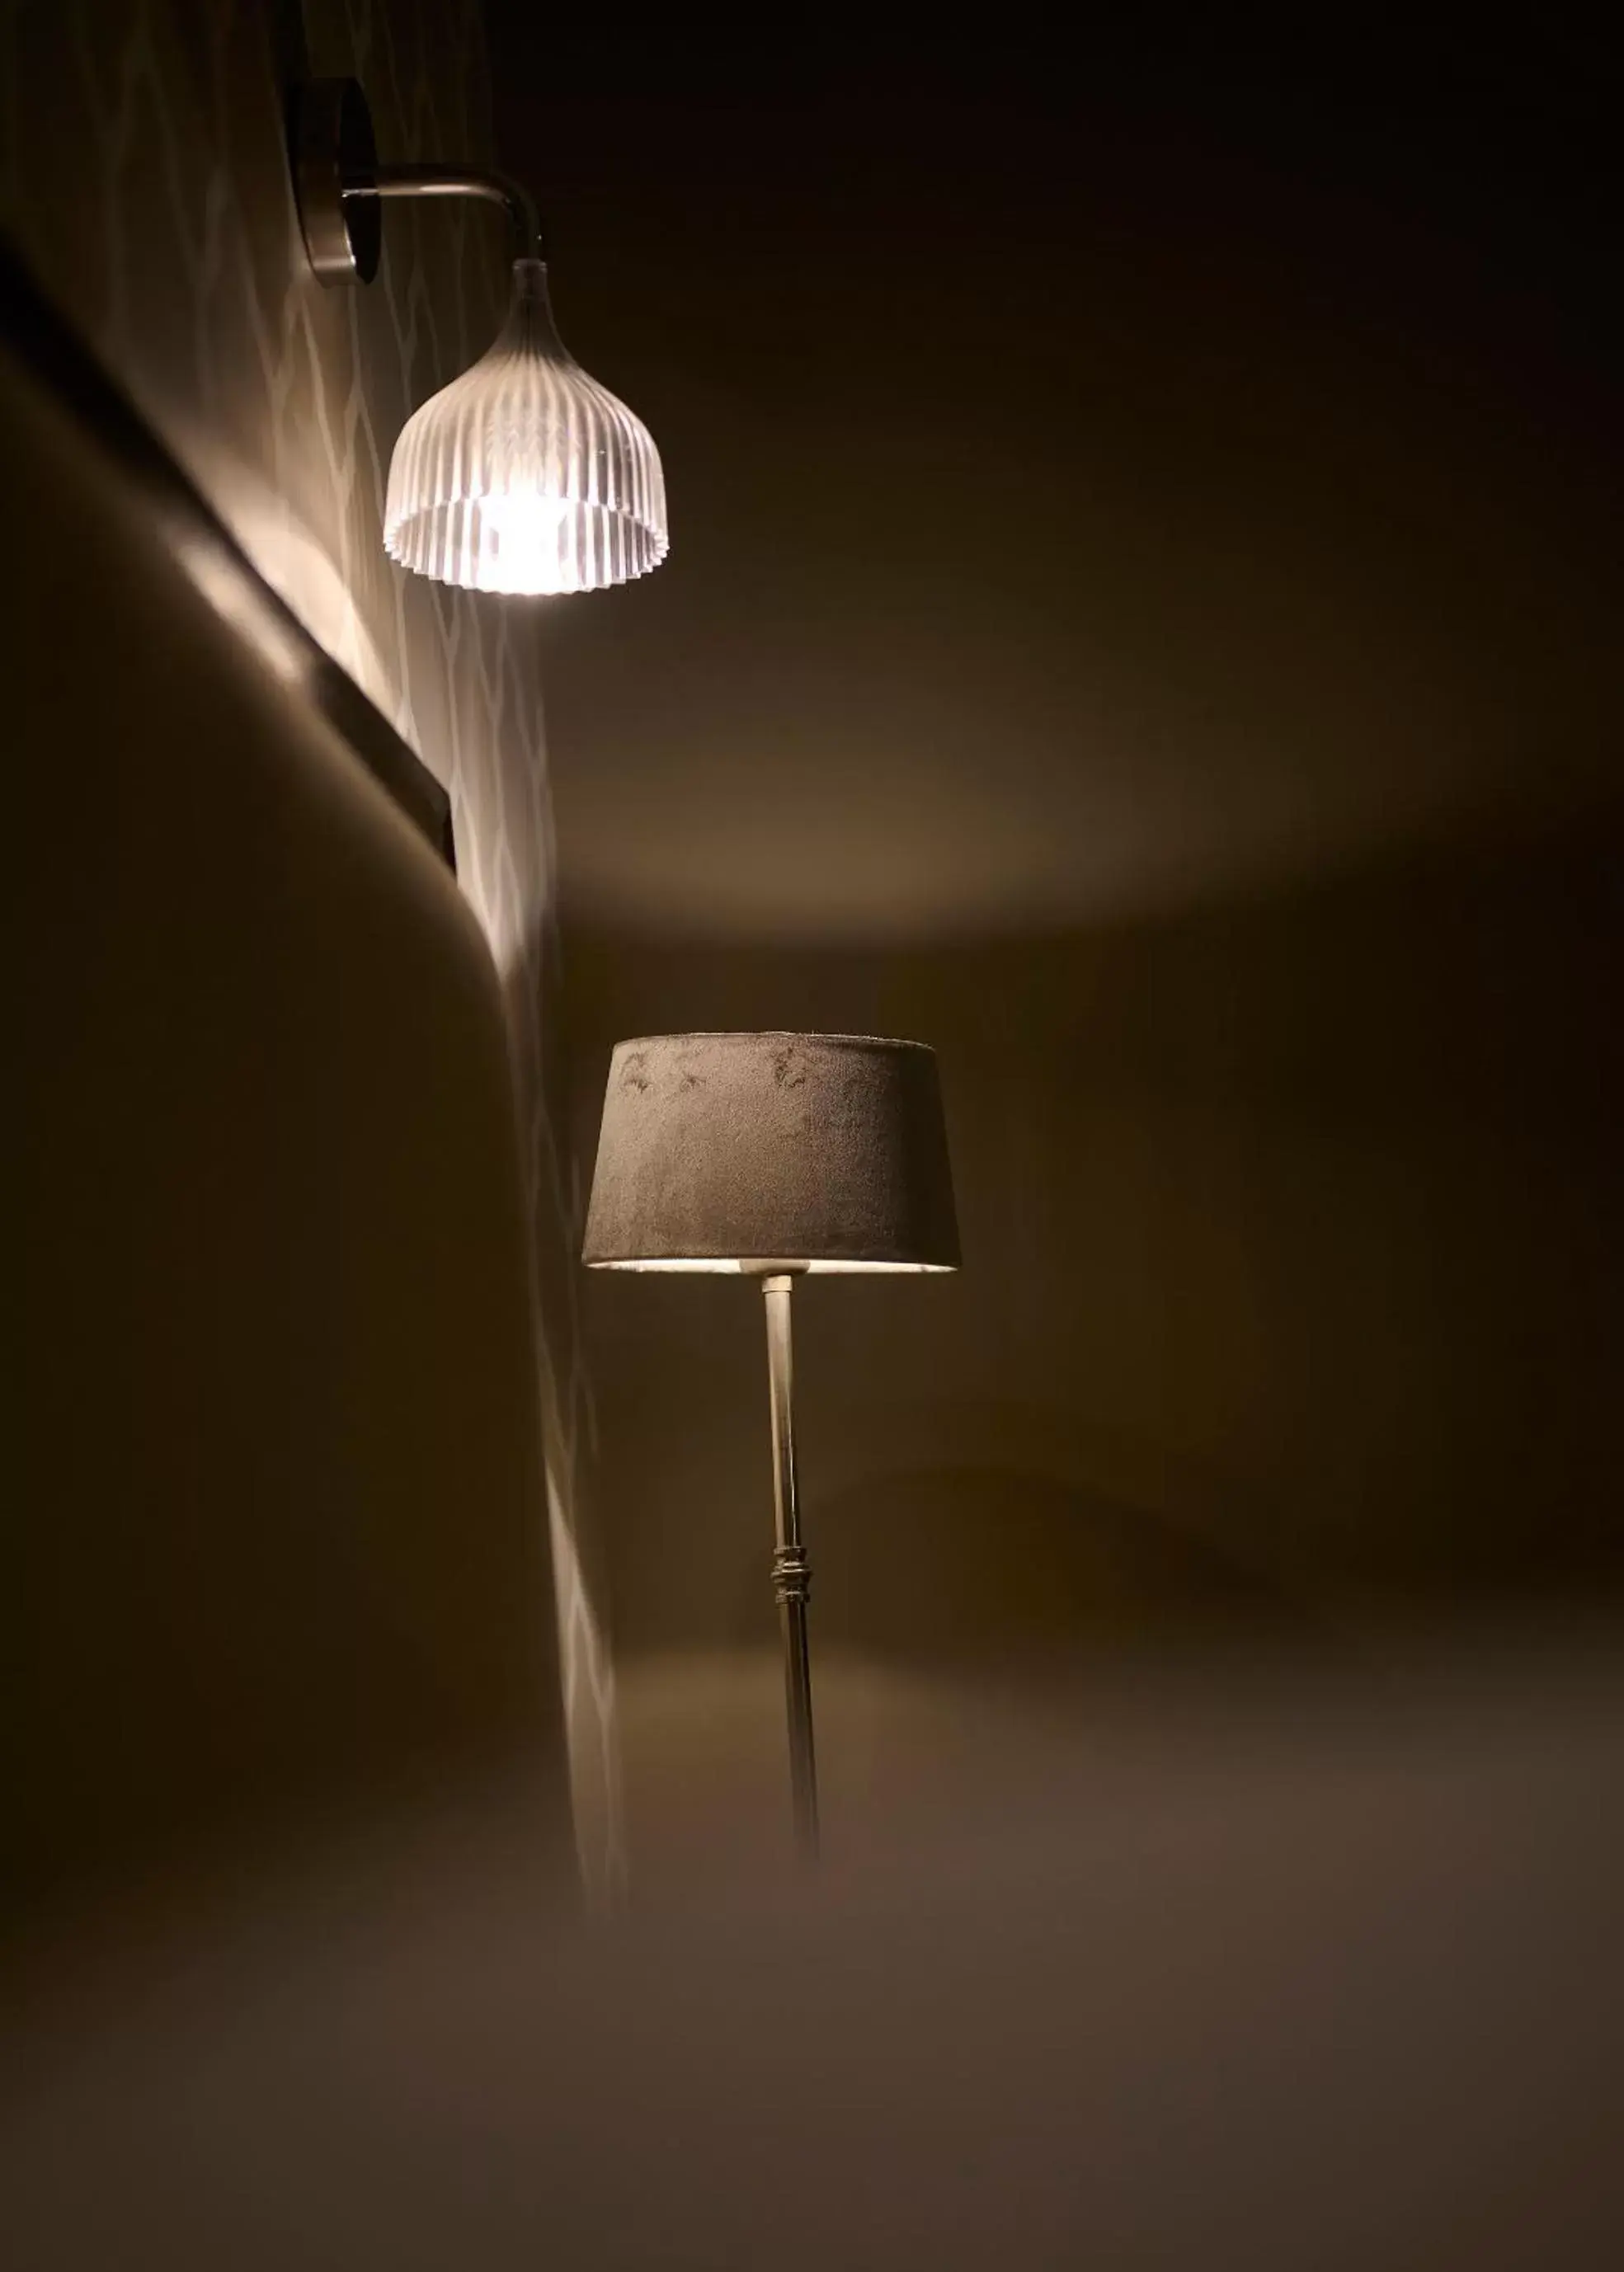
{"x": 339, "y": 187}
{"x": 461, "y": 182}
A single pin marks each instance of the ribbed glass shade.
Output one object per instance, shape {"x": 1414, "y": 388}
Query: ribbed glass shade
{"x": 525, "y": 475}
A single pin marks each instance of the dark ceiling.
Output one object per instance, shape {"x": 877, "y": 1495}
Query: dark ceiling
{"x": 1098, "y": 479}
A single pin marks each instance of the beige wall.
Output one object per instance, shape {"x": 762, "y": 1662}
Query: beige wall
{"x": 1145, "y": 619}
{"x": 142, "y": 176}
{"x": 1287, "y": 1319}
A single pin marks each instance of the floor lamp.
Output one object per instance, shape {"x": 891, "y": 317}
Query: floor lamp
{"x": 772, "y": 1156}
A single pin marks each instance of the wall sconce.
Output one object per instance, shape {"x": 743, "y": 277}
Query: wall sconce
{"x": 772, "y": 1155}
{"x": 524, "y": 475}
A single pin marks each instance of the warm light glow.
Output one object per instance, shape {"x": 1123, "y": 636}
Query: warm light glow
{"x": 525, "y": 540}
{"x": 730, "y": 1264}
{"x": 525, "y": 476}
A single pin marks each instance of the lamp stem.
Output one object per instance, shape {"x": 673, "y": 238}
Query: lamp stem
{"x": 792, "y": 1570}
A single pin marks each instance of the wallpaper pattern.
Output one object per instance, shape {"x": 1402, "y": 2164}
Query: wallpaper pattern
{"x": 144, "y": 180}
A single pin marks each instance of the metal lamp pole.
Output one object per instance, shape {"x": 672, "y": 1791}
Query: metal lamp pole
{"x": 791, "y": 1570}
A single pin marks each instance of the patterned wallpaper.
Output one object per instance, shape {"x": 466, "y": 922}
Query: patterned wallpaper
{"x": 143, "y": 177}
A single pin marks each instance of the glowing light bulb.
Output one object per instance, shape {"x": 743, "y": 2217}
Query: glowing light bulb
{"x": 525, "y": 475}
{"x": 524, "y": 538}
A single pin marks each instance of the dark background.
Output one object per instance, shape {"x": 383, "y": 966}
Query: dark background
{"x": 1142, "y": 617}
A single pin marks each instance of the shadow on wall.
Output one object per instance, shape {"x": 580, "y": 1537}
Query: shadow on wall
{"x": 906, "y": 1571}
{"x": 1292, "y": 1246}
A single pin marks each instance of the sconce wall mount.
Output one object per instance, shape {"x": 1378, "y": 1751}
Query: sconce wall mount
{"x": 339, "y": 185}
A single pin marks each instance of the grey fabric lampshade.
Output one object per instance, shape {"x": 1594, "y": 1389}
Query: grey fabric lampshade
{"x": 824, "y": 1150}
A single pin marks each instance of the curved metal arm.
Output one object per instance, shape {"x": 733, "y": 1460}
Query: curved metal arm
{"x": 339, "y": 185}
{"x": 460, "y": 182}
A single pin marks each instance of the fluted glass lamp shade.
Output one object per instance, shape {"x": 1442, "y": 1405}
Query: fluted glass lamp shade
{"x": 722, "y": 1151}
{"x": 525, "y": 475}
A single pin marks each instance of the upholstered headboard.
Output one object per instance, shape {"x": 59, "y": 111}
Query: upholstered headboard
{"x": 278, "y": 1473}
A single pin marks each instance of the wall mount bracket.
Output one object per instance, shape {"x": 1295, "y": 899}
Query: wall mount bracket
{"x": 339, "y": 187}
